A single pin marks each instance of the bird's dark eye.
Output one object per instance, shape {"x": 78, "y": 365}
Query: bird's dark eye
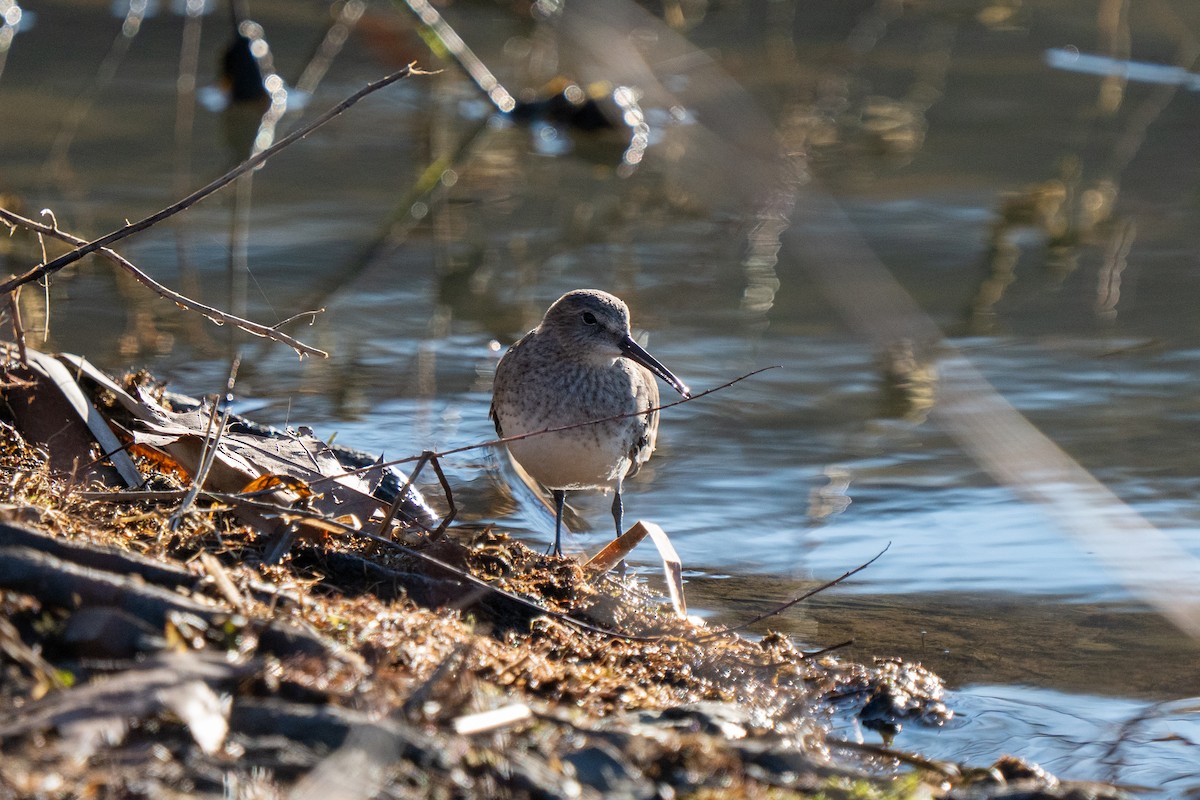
{"x": 589, "y": 318}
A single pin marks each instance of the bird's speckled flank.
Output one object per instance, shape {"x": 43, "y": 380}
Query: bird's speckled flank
{"x": 580, "y": 364}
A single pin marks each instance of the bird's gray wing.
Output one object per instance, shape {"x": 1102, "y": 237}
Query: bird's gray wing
{"x": 510, "y": 356}
{"x": 495, "y": 419}
{"x": 644, "y": 428}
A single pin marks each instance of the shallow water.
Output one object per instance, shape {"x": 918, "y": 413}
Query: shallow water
{"x": 923, "y": 123}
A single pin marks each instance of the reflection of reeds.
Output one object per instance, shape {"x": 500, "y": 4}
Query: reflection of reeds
{"x": 1076, "y": 210}
{"x": 909, "y": 382}
{"x": 185, "y": 117}
{"x": 1108, "y": 281}
{"x": 871, "y": 126}
{"x": 345, "y": 15}
{"x": 1067, "y": 216}
{"x": 988, "y": 427}
{"x": 57, "y": 164}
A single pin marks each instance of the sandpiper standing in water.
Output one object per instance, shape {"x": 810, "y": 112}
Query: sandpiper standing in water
{"x": 580, "y": 364}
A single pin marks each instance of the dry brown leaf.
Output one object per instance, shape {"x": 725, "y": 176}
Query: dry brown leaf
{"x": 245, "y": 457}
{"x": 267, "y": 482}
{"x": 50, "y": 409}
{"x": 672, "y": 566}
{"x": 614, "y": 552}
{"x": 619, "y": 548}
{"x": 160, "y": 460}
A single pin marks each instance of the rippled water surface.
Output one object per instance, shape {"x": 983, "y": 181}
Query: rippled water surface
{"x": 1045, "y": 219}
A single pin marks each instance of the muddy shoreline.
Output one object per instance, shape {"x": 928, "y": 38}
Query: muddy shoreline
{"x": 156, "y": 651}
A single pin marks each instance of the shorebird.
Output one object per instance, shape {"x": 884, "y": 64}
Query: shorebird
{"x": 580, "y": 364}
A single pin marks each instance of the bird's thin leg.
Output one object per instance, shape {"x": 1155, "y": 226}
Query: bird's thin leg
{"x": 559, "y": 498}
{"x": 618, "y": 511}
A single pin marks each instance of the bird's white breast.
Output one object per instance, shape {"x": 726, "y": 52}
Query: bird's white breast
{"x": 530, "y": 398}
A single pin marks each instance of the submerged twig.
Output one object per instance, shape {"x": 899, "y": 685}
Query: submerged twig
{"x": 215, "y": 314}
{"x": 198, "y": 195}
{"x": 826, "y": 650}
{"x": 943, "y": 768}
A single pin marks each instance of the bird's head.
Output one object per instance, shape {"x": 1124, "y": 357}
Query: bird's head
{"x": 593, "y": 326}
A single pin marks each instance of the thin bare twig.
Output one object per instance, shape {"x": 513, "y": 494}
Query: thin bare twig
{"x": 613, "y": 418}
{"x": 18, "y": 329}
{"x": 215, "y": 314}
{"x": 428, "y": 457}
{"x": 506, "y": 439}
{"x": 208, "y": 452}
{"x": 400, "y": 495}
{"x": 294, "y": 317}
{"x": 207, "y": 455}
{"x": 432, "y": 457}
{"x": 779, "y": 609}
{"x": 940, "y": 767}
{"x": 198, "y": 195}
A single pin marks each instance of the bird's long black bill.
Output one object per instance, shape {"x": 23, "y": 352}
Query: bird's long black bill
{"x": 635, "y": 351}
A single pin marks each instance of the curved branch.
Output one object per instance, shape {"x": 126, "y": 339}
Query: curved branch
{"x": 215, "y": 314}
